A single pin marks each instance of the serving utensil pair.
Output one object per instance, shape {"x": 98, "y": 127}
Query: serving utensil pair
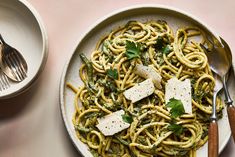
{"x": 12, "y": 65}
{"x": 220, "y": 61}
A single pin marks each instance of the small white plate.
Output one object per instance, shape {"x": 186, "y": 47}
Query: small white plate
{"x": 22, "y": 28}
{"x": 174, "y": 17}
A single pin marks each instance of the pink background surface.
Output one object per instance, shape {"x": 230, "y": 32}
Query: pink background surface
{"x": 31, "y": 124}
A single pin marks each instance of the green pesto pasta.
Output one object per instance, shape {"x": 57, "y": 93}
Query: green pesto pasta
{"x": 109, "y": 72}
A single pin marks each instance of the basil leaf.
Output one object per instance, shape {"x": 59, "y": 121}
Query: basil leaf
{"x": 166, "y": 49}
{"x": 112, "y": 73}
{"x": 159, "y": 43}
{"x": 132, "y": 50}
{"x": 127, "y": 118}
{"x": 177, "y": 108}
{"x": 162, "y": 46}
{"x": 176, "y": 128}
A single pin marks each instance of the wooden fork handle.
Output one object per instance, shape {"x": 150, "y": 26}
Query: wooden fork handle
{"x": 231, "y": 117}
{"x": 213, "y": 139}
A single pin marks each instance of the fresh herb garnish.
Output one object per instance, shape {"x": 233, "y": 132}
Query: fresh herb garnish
{"x": 113, "y": 107}
{"x": 110, "y": 85}
{"x": 193, "y": 81}
{"x": 122, "y": 141}
{"x": 159, "y": 43}
{"x": 89, "y": 67}
{"x": 94, "y": 114}
{"x": 177, "y": 108}
{"x": 200, "y": 95}
{"x": 145, "y": 58}
{"x": 141, "y": 139}
{"x": 166, "y": 49}
{"x": 105, "y": 48}
{"x": 127, "y": 118}
{"x": 132, "y": 50}
{"x": 82, "y": 129}
{"x": 176, "y": 128}
{"x": 162, "y": 46}
{"x": 90, "y": 82}
{"x": 112, "y": 73}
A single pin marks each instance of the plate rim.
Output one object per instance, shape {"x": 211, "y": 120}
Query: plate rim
{"x": 92, "y": 27}
{"x": 44, "y": 52}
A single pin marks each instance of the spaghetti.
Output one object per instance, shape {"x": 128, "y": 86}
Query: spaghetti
{"x": 171, "y": 55}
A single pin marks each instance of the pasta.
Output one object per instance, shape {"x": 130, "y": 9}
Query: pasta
{"x": 110, "y": 72}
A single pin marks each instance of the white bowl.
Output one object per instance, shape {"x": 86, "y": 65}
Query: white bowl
{"x": 86, "y": 44}
{"x": 22, "y": 28}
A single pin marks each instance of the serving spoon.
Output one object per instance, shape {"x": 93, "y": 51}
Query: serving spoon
{"x": 12, "y": 62}
{"x": 220, "y": 61}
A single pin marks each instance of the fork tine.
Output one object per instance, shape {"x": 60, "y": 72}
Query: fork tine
{"x": 5, "y": 85}
{"x": 8, "y": 62}
{"x": 19, "y": 64}
{"x": 23, "y": 67}
{"x": 213, "y": 41}
{"x": 11, "y": 57}
{"x": 4, "y": 82}
{"x": 14, "y": 66}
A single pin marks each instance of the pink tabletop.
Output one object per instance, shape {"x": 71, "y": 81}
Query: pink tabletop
{"x": 31, "y": 124}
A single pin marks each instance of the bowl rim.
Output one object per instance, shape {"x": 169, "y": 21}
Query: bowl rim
{"x": 44, "y": 55}
{"x": 92, "y": 27}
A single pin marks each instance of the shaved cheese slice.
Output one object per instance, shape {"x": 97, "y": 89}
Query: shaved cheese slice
{"x": 140, "y": 91}
{"x": 112, "y": 123}
{"x": 180, "y": 90}
{"x": 149, "y": 72}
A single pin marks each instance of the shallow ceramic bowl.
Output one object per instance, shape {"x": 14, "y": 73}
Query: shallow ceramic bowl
{"x": 86, "y": 44}
{"x": 22, "y": 28}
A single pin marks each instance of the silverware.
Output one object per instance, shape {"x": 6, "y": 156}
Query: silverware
{"x": 12, "y": 62}
{"x": 4, "y": 82}
{"x": 220, "y": 60}
{"x": 213, "y": 132}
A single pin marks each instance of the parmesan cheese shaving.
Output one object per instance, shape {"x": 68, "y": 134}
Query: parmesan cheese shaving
{"x": 140, "y": 91}
{"x": 180, "y": 90}
{"x": 149, "y": 72}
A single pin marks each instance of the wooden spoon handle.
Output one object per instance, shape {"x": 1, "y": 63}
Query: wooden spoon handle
{"x": 231, "y": 117}
{"x": 213, "y": 139}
